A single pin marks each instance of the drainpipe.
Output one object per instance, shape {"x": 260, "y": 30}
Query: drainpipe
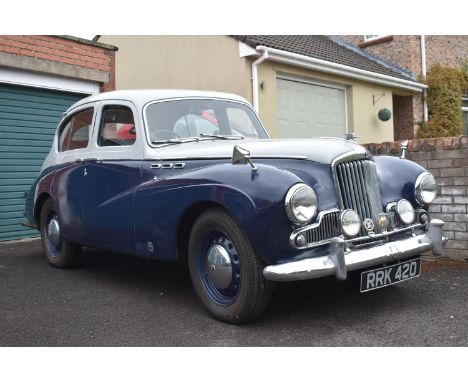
{"x": 423, "y": 68}
{"x": 255, "y": 64}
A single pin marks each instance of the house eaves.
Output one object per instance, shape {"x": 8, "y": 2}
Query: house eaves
{"x": 322, "y": 53}
{"x": 339, "y": 69}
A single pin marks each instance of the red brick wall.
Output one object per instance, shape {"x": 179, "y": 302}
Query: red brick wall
{"x": 447, "y": 160}
{"x": 62, "y": 50}
{"x": 403, "y": 117}
{"x": 446, "y": 50}
{"x": 405, "y": 51}
{"x": 401, "y": 50}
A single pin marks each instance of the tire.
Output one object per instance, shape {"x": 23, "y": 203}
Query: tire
{"x": 240, "y": 297}
{"x": 59, "y": 253}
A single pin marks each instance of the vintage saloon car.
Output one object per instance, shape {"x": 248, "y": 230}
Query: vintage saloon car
{"x": 192, "y": 176}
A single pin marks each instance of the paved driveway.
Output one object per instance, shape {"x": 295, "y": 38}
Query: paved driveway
{"x": 116, "y": 300}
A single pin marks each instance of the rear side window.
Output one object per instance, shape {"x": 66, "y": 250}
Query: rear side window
{"x": 74, "y": 134}
{"x": 117, "y": 127}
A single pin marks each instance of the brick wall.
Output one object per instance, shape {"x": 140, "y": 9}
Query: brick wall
{"x": 63, "y": 50}
{"x": 405, "y": 51}
{"x": 446, "y": 50}
{"x": 447, "y": 160}
{"x": 403, "y": 120}
{"x": 401, "y": 50}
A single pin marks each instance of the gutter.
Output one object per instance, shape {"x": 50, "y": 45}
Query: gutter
{"x": 424, "y": 72}
{"x": 255, "y": 64}
{"x": 332, "y": 68}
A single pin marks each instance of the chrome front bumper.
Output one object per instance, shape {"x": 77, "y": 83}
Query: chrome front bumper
{"x": 340, "y": 260}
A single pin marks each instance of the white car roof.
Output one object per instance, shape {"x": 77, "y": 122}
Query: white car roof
{"x": 140, "y": 97}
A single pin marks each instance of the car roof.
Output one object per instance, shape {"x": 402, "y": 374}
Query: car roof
{"x": 141, "y": 97}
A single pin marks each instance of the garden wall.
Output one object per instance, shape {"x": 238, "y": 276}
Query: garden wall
{"x": 447, "y": 160}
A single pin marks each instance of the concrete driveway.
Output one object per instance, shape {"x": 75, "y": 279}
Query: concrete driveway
{"x": 117, "y": 300}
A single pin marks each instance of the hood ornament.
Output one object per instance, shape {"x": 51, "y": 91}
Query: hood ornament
{"x": 242, "y": 156}
{"x": 403, "y": 147}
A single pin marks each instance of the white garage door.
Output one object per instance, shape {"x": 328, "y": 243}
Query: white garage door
{"x": 308, "y": 110}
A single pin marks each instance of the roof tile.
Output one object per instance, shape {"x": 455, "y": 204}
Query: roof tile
{"x": 327, "y": 49}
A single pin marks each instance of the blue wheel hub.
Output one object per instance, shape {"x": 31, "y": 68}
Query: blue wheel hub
{"x": 53, "y": 234}
{"x": 219, "y": 268}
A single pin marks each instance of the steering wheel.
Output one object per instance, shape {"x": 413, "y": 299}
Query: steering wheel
{"x": 162, "y": 135}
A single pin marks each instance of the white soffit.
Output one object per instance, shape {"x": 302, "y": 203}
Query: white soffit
{"x": 245, "y": 50}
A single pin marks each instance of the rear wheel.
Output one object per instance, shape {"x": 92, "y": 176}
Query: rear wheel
{"x": 226, "y": 273}
{"x": 59, "y": 253}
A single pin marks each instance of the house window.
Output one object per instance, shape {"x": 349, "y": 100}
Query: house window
{"x": 368, "y": 37}
{"x": 465, "y": 115}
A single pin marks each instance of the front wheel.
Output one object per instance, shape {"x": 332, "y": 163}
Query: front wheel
{"x": 225, "y": 271}
{"x": 59, "y": 253}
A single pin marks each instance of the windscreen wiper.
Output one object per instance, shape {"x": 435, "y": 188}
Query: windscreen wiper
{"x": 222, "y": 136}
{"x": 175, "y": 141}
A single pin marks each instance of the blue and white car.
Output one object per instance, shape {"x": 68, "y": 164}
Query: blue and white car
{"x": 180, "y": 175}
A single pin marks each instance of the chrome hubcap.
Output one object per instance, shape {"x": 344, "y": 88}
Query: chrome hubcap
{"x": 53, "y": 232}
{"x": 219, "y": 266}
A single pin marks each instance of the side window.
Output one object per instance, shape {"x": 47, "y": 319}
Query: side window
{"x": 241, "y": 123}
{"x": 117, "y": 127}
{"x": 74, "y": 133}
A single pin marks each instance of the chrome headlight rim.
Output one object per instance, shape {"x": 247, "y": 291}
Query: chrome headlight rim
{"x": 289, "y": 204}
{"x": 418, "y": 191}
{"x": 358, "y": 222}
{"x": 399, "y": 207}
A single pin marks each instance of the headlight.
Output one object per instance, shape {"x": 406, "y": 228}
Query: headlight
{"x": 350, "y": 223}
{"x": 301, "y": 203}
{"x": 405, "y": 211}
{"x": 425, "y": 189}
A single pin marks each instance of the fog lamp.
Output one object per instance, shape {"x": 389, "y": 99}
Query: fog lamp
{"x": 350, "y": 223}
{"x": 405, "y": 211}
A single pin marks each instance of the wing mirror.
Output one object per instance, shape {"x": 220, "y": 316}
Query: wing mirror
{"x": 242, "y": 156}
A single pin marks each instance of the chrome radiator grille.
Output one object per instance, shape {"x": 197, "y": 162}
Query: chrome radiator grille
{"x": 328, "y": 228}
{"x": 359, "y": 189}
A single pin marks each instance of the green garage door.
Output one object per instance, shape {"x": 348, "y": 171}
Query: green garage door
{"x": 28, "y": 119}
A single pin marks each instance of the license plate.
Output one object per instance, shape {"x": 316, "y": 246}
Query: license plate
{"x": 393, "y": 274}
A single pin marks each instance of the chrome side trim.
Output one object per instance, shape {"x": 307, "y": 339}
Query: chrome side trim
{"x": 167, "y": 165}
{"x": 339, "y": 261}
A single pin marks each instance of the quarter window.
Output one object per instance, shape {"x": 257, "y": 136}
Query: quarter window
{"x": 75, "y": 132}
{"x": 117, "y": 127}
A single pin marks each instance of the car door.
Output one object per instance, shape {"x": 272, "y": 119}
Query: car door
{"x": 111, "y": 174}
{"x": 71, "y": 146}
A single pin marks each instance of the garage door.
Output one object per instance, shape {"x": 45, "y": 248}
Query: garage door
{"x": 308, "y": 110}
{"x": 28, "y": 119}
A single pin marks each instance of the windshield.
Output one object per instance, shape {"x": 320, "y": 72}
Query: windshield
{"x": 202, "y": 119}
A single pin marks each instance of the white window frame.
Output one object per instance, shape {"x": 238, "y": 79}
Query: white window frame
{"x": 374, "y": 37}
{"x": 315, "y": 82}
{"x": 464, "y": 110}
